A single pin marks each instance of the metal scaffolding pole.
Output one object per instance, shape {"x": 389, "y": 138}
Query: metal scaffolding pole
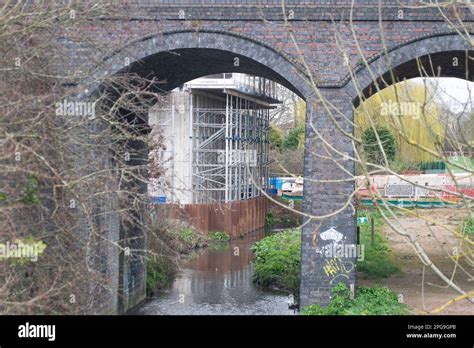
{"x": 172, "y": 151}
{"x": 193, "y": 143}
{"x": 240, "y": 150}
{"x": 230, "y": 145}
{"x": 227, "y": 148}
{"x": 228, "y": 134}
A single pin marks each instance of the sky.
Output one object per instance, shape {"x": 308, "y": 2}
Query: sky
{"x": 455, "y": 93}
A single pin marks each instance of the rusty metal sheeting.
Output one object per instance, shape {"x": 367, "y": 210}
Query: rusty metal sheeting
{"x": 235, "y": 218}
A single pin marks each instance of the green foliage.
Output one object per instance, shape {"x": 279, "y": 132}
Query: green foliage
{"x": 277, "y": 261}
{"x": 378, "y": 260}
{"x": 468, "y": 226}
{"x": 219, "y": 236}
{"x": 269, "y": 219}
{"x": 367, "y": 301}
{"x": 186, "y": 234}
{"x": 276, "y": 138}
{"x": 160, "y": 273}
{"x": 3, "y": 196}
{"x": 377, "y": 301}
{"x": 185, "y": 239}
{"x": 372, "y": 148}
{"x": 30, "y": 191}
{"x": 423, "y": 129}
{"x": 294, "y": 138}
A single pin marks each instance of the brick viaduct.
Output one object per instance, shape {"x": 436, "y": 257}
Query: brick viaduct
{"x": 179, "y": 40}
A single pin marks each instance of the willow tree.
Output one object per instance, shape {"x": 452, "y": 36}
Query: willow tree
{"x": 410, "y": 111}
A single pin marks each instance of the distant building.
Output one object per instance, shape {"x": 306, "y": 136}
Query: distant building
{"x": 216, "y": 131}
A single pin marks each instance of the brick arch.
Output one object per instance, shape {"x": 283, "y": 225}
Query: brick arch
{"x": 316, "y": 284}
{"x": 169, "y": 56}
{"x": 255, "y": 58}
{"x": 435, "y": 52}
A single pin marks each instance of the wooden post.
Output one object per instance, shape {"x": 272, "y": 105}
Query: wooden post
{"x": 372, "y": 230}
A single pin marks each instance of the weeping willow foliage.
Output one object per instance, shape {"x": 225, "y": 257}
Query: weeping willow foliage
{"x": 300, "y": 112}
{"x": 300, "y": 118}
{"x": 409, "y": 110}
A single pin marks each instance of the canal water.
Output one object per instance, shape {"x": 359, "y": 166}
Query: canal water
{"x": 218, "y": 281}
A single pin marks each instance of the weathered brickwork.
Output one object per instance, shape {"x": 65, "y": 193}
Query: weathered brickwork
{"x": 317, "y": 40}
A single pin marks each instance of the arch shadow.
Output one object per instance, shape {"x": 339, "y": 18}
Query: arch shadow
{"x": 441, "y": 55}
{"x": 176, "y": 57}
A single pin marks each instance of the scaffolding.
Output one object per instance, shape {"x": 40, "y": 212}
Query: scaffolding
{"x": 164, "y": 118}
{"x": 217, "y": 140}
{"x": 231, "y": 150}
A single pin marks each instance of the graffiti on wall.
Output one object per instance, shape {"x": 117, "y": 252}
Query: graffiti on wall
{"x": 337, "y": 268}
{"x": 339, "y": 256}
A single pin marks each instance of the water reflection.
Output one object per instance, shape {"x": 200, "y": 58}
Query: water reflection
{"x": 219, "y": 281}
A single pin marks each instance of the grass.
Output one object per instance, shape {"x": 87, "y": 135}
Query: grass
{"x": 367, "y": 301}
{"x": 3, "y": 196}
{"x": 218, "y": 237}
{"x": 269, "y": 219}
{"x": 278, "y": 257}
{"x": 161, "y": 271}
{"x": 378, "y": 259}
{"x": 468, "y": 226}
{"x": 218, "y": 241}
{"x": 30, "y": 191}
{"x": 277, "y": 261}
{"x": 186, "y": 239}
{"x": 186, "y": 234}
